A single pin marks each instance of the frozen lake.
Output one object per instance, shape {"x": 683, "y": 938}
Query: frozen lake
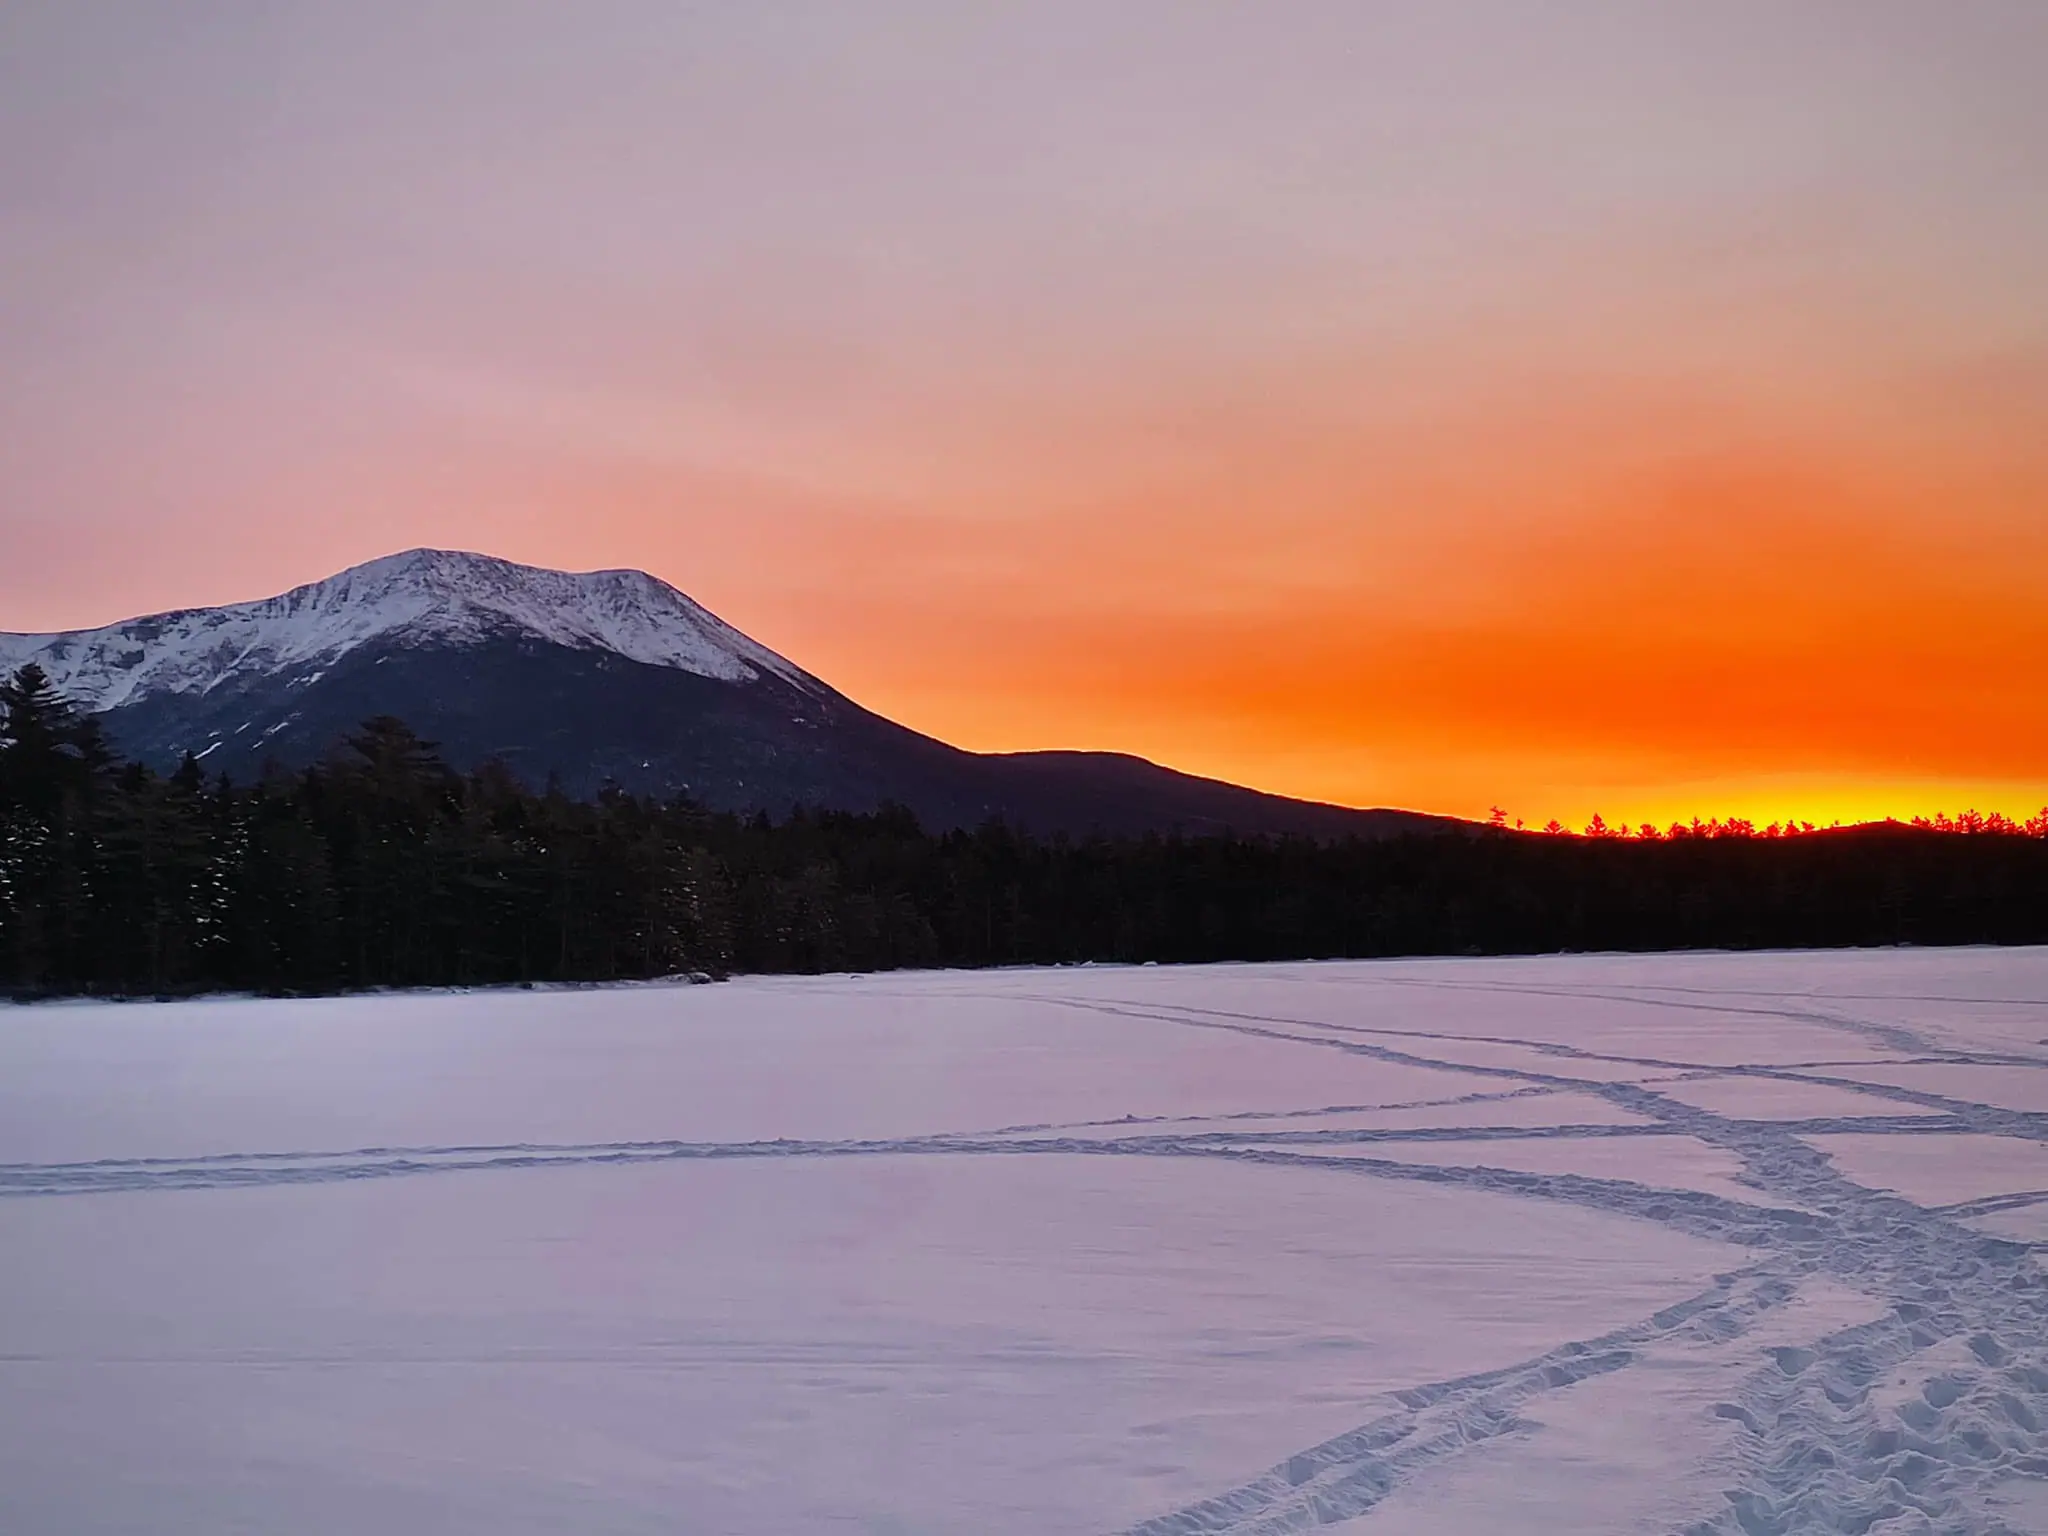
{"x": 1685, "y": 1244}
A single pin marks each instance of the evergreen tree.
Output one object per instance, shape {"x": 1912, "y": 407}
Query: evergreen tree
{"x": 383, "y": 867}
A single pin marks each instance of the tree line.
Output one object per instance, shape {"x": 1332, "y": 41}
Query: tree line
{"x": 383, "y": 867}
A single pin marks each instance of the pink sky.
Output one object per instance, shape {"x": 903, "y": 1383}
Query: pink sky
{"x": 1602, "y": 407}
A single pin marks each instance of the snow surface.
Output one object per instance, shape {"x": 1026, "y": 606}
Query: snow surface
{"x": 1411, "y": 1247}
{"x": 422, "y": 597}
{"x": 1966, "y": 1081}
{"x": 1941, "y": 1170}
{"x": 1598, "y": 1460}
{"x": 1776, "y": 1098}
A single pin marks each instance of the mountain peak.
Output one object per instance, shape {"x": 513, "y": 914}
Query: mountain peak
{"x": 455, "y": 570}
{"x": 418, "y": 597}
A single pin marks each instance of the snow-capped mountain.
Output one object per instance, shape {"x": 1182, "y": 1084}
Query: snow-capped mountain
{"x": 603, "y": 677}
{"x": 424, "y": 597}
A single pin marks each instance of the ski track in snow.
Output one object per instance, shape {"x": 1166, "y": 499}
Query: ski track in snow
{"x": 1824, "y": 1444}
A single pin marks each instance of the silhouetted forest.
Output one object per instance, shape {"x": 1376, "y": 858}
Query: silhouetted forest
{"x": 381, "y": 867}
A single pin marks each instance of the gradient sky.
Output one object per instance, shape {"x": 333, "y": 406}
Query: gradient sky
{"x": 1634, "y": 407}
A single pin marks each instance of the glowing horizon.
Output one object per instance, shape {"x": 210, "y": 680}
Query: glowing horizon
{"x": 1427, "y": 406}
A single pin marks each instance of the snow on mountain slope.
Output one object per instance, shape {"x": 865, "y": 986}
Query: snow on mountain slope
{"x": 424, "y": 597}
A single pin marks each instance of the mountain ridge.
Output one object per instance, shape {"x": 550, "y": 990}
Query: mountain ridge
{"x": 590, "y": 679}
{"x": 449, "y": 595}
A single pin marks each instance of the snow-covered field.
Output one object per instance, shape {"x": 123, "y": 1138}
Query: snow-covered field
{"x": 1578, "y": 1245}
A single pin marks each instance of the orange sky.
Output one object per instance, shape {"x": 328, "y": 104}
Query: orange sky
{"x": 1442, "y": 407}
